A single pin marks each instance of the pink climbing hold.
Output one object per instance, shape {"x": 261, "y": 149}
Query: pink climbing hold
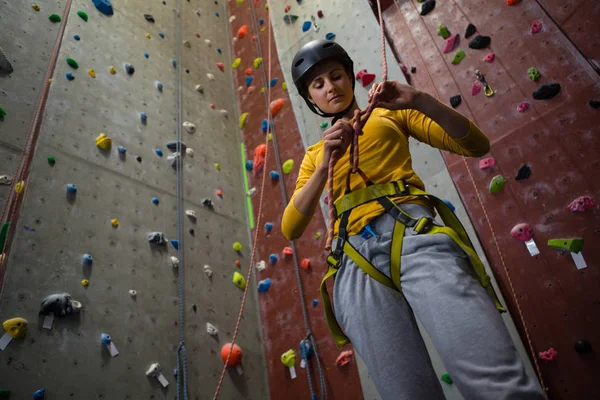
{"x": 489, "y": 58}
{"x": 523, "y": 232}
{"x": 476, "y": 88}
{"x": 581, "y": 204}
{"x": 221, "y": 66}
{"x": 536, "y": 26}
{"x": 487, "y": 163}
{"x": 287, "y": 8}
{"x": 451, "y": 43}
{"x": 548, "y": 355}
{"x": 523, "y": 107}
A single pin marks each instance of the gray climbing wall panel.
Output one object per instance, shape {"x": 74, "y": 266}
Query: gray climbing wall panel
{"x": 69, "y": 360}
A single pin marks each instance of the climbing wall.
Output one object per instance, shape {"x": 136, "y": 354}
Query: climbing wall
{"x": 122, "y": 194}
{"x": 554, "y": 291}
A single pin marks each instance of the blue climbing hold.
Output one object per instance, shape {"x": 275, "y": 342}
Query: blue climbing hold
{"x": 306, "y": 26}
{"x": 264, "y": 285}
{"x": 143, "y": 116}
{"x": 39, "y": 394}
{"x": 76, "y": 37}
{"x": 450, "y": 205}
{"x": 261, "y": 21}
{"x": 106, "y": 339}
{"x": 175, "y": 244}
{"x": 274, "y": 175}
{"x": 162, "y": 35}
{"x": 70, "y": 76}
{"x": 268, "y": 227}
{"x": 330, "y": 36}
{"x": 273, "y": 258}
{"x": 273, "y": 82}
{"x": 146, "y": 55}
{"x": 174, "y": 62}
{"x": 103, "y": 6}
{"x": 264, "y": 125}
{"x": 249, "y": 81}
{"x": 155, "y": 200}
{"x": 159, "y": 86}
{"x": 87, "y": 259}
{"x": 249, "y": 165}
{"x": 315, "y": 302}
{"x": 158, "y": 152}
{"x": 219, "y": 50}
{"x": 122, "y": 149}
{"x": 216, "y": 14}
{"x": 71, "y": 188}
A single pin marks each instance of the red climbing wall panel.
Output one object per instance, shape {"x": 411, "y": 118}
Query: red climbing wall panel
{"x": 280, "y": 308}
{"x": 557, "y": 138}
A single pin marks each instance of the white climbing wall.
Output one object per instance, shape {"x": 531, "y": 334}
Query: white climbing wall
{"x": 53, "y": 231}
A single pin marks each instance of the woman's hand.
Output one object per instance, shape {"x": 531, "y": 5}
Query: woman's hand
{"x": 394, "y": 95}
{"x": 337, "y": 137}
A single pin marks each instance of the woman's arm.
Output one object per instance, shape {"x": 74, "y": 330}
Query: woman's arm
{"x": 454, "y": 123}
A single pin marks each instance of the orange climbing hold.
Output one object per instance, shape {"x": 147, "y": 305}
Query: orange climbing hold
{"x": 251, "y": 89}
{"x": 276, "y": 106}
{"x": 238, "y": 263}
{"x": 248, "y": 71}
{"x": 236, "y": 354}
{"x": 305, "y": 263}
{"x": 242, "y": 32}
{"x": 259, "y": 157}
{"x": 221, "y": 66}
{"x": 344, "y": 358}
{"x": 287, "y": 251}
{"x": 219, "y": 193}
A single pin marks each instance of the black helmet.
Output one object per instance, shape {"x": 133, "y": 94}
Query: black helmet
{"x": 310, "y": 55}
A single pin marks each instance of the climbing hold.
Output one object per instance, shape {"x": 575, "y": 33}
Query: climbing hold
{"x": 173, "y": 159}
{"x": 512, "y": 2}
{"x": 51, "y": 160}
{"x": 287, "y": 9}
{"x": 239, "y": 281}
{"x": 242, "y": 32}
{"x": 85, "y": 282}
{"x": 217, "y": 166}
{"x": 315, "y": 302}
{"x": 344, "y": 358}
{"x": 114, "y": 222}
{"x": 581, "y": 204}
{"x": 219, "y": 192}
{"x": 236, "y": 63}
{"x": 259, "y": 157}
{"x": 146, "y": 55}
{"x": 290, "y": 19}
{"x": 546, "y": 91}
{"x": 323, "y": 125}
{"x": 234, "y": 358}
{"x": 15, "y": 327}
{"x": 522, "y": 232}
{"x": 273, "y": 258}
{"x": 174, "y": 62}
{"x": 287, "y": 251}
{"x": 148, "y": 36}
{"x": 449, "y": 204}
{"x": 268, "y": 227}
{"x": 479, "y": 42}
{"x": 156, "y": 237}
{"x": 248, "y": 71}
{"x": 548, "y": 355}
{"x": 76, "y": 37}
{"x": 129, "y": 69}
{"x": 257, "y": 62}
{"x": 121, "y": 149}
{"x": 221, "y": 66}
{"x": 523, "y": 173}
{"x": 284, "y": 85}
{"x": 276, "y": 106}
{"x": 305, "y": 263}
{"x": 187, "y": 44}
{"x": 287, "y": 166}
{"x": 273, "y": 82}
{"x": 523, "y": 107}
{"x": 496, "y": 183}
{"x": 274, "y": 175}
{"x": 112, "y": 70}
{"x": 443, "y": 31}
{"x": 264, "y": 126}
{"x": 72, "y": 63}
{"x": 19, "y": 187}
{"x": 330, "y": 36}
{"x": 106, "y": 339}
{"x": 533, "y": 74}
{"x": 70, "y": 76}
{"x": 138, "y": 158}
{"x": 71, "y": 188}
{"x": 36, "y": 7}
{"x": 261, "y": 21}
{"x": 174, "y": 262}
{"x": 455, "y": 101}
{"x": 2, "y": 114}
{"x": 249, "y": 81}
{"x": 173, "y": 145}
{"x": 320, "y": 14}
{"x": 61, "y": 304}
{"x": 289, "y": 358}
{"x": 103, "y": 141}
{"x": 446, "y": 378}
{"x": 306, "y": 26}
{"x": 103, "y": 6}
{"x": 583, "y": 346}
{"x": 489, "y": 58}
{"x": 572, "y": 245}
{"x": 155, "y": 200}
{"x": 237, "y": 246}
{"x": 208, "y": 271}
{"x": 427, "y": 7}
{"x": 5, "y": 179}
{"x": 191, "y": 214}
{"x": 243, "y": 119}
{"x": 365, "y": 77}
{"x": 451, "y": 43}
{"x": 149, "y": 18}
{"x": 162, "y": 35}
{"x": 476, "y": 88}
{"x": 264, "y": 285}
{"x": 87, "y": 259}
{"x": 249, "y": 165}
{"x": 413, "y": 70}
{"x": 39, "y": 394}
{"x": 189, "y": 127}
{"x": 238, "y": 263}
{"x": 54, "y": 18}
{"x": 458, "y": 56}
{"x": 487, "y": 163}
{"x": 470, "y": 31}
{"x": 536, "y": 26}
{"x": 92, "y": 73}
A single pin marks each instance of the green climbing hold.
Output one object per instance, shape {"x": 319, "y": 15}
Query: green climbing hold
{"x": 3, "y": 233}
{"x": 55, "y": 18}
{"x": 288, "y": 166}
{"x": 284, "y": 85}
{"x": 51, "y": 160}
{"x": 573, "y": 245}
{"x": 446, "y": 378}
{"x": 443, "y": 31}
{"x": 2, "y": 113}
{"x": 459, "y": 56}
{"x": 497, "y": 183}
{"x": 72, "y": 63}
{"x": 324, "y": 125}
{"x": 237, "y": 246}
{"x": 83, "y": 15}
{"x": 533, "y": 74}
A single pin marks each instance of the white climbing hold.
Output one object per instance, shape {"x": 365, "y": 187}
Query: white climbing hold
{"x": 199, "y": 88}
{"x": 190, "y": 213}
{"x": 208, "y": 271}
{"x": 174, "y": 262}
{"x": 187, "y": 43}
{"x": 5, "y": 179}
{"x": 232, "y": 18}
{"x": 240, "y": 88}
{"x": 211, "y": 329}
{"x": 173, "y": 159}
{"x": 223, "y": 112}
{"x": 132, "y": 293}
{"x": 251, "y": 192}
{"x": 261, "y": 266}
{"x": 207, "y": 41}
{"x": 189, "y": 151}
{"x": 189, "y": 127}
{"x": 210, "y": 77}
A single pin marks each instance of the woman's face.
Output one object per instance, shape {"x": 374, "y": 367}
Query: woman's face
{"x": 330, "y": 87}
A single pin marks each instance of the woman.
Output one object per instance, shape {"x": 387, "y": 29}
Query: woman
{"x": 436, "y": 280}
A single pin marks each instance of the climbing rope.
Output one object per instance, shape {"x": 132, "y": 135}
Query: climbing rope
{"x": 181, "y": 350}
{"x": 487, "y": 219}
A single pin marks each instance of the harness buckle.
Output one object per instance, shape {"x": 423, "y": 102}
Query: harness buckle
{"x": 400, "y": 191}
{"x": 422, "y": 226}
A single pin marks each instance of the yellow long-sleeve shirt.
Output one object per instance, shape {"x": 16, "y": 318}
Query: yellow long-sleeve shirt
{"x": 384, "y": 157}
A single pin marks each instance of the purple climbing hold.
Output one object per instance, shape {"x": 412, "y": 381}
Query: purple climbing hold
{"x": 455, "y": 101}
{"x": 427, "y": 7}
{"x": 149, "y": 18}
{"x": 595, "y": 104}
{"x": 470, "y": 31}
{"x": 103, "y": 6}
{"x": 546, "y": 91}
{"x": 129, "y": 69}
{"x": 479, "y": 42}
{"x": 524, "y": 172}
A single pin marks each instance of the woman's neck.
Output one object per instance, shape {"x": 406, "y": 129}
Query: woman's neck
{"x": 350, "y": 114}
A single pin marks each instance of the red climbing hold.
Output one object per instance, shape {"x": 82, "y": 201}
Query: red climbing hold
{"x": 451, "y": 43}
{"x": 236, "y": 354}
{"x": 344, "y": 358}
{"x": 221, "y": 66}
{"x": 242, "y": 32}
{"x": 320, "y": 14}
{"x": 489, "y": 58}
{"x": 276, "y": 106}
{"x": 476, "y": 88}
{"x": 212, "y": 106}
{"x": 487, "y": 163}
{"x": 287, "y": 251}
{"x": 238, "y": 263}
{"x": 581, "y": 204}
{"x": 248, "y": 71}
{"x": 197, "y": 35}
{"x": 305, "y": 263}
{"x": 219, "y": 193}
{"x": 536, "y": 26}
{"x": 287, "y": 9}
{"x": 259, "y": 157}
{"x": 523, "y": 232}
{"x": 364, "y": 77}
{"x": 512, "y": 2}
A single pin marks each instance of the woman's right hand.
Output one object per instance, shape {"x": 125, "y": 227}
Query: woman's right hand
{"x": 337, "y": 137}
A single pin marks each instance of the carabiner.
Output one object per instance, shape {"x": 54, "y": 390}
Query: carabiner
{"x": 487, "y": 89}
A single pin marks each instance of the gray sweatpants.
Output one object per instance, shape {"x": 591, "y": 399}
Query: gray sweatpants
{"x": 456, "y": 311}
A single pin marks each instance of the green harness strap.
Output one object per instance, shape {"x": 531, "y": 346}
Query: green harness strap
{"x": 453, "y": 229}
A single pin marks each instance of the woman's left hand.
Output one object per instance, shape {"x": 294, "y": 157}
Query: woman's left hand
{"x": 394, "y": 95}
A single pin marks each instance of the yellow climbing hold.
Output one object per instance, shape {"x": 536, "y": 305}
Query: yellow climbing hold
{"x": 236, "y": 63}
{"x": 288, "y": 166}
{"x": 262, "y": 29}
{"x": 50, "y": 80}
{"x": 239, "y": 2}
{"x": 148, "y": 36}
{"x": 114, "y": 222}
{"x": 288, "y": 358}
{"x": 85, "y": 282}
{"x": 284, "y": 85}
{"x": 112, "y": 70}
{"x": 257, "y": 62}
{"x": 103, "y": 141}
{"x": 16, "y": 327}
{"x": 262, "y": 90}
{"x": 92, "y": 73}
{"x": 218, "y": 166}
{"x": 237, "y": 246}
{"x": 35, "y": 7}
{"x": 239, "y": 281}
{"x": 266, "y": 6}
{"x": 19, "y": 187}
{"x": 243, "y": 119}
{"x": 270, "y": 137}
